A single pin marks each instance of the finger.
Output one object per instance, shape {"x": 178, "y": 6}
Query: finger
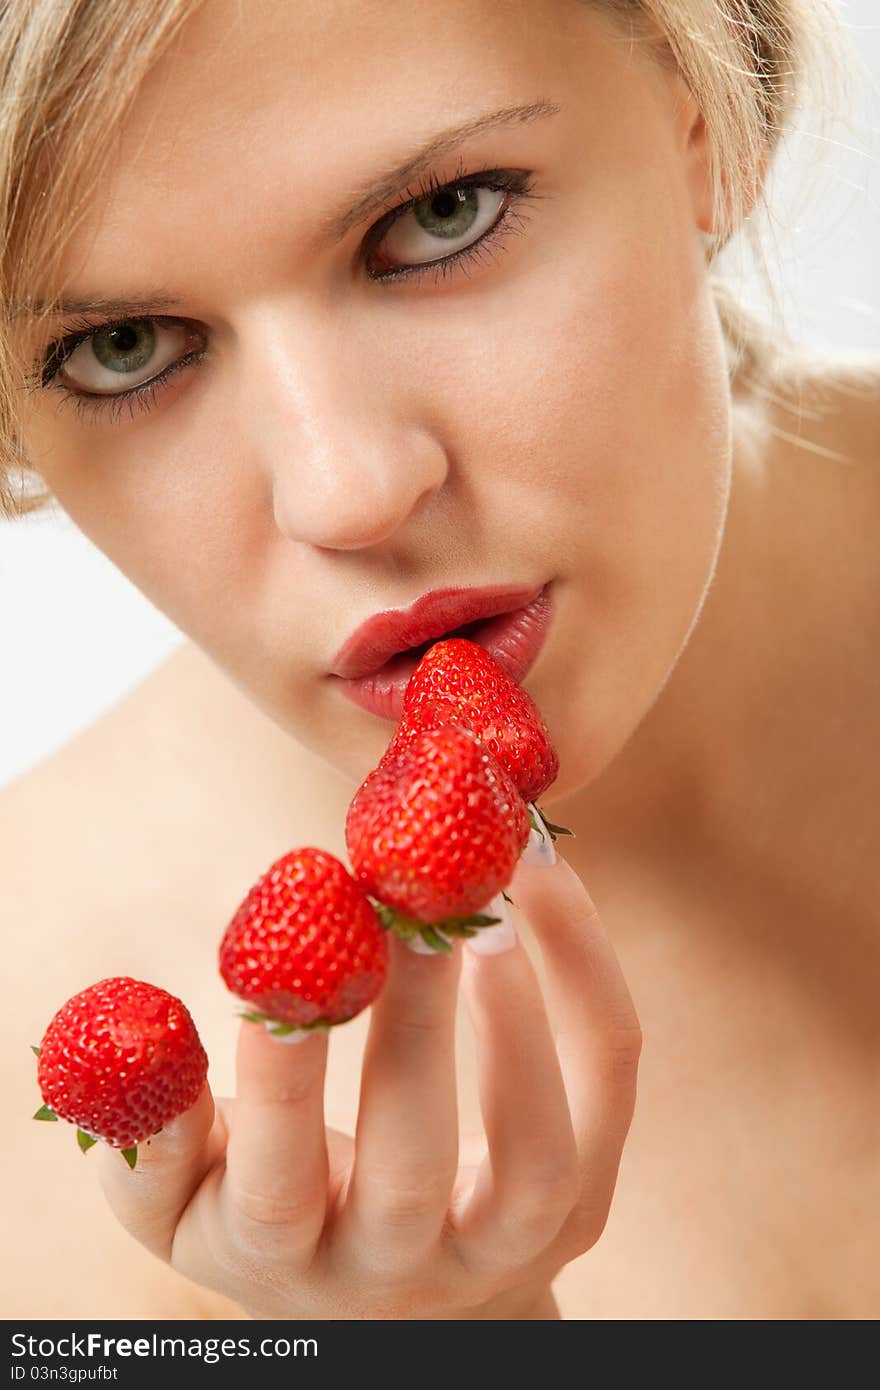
{"x": 529, "y": 1181}
{"x": 406, "y": 1143}
{"x": 274, "y": 1192}
{"x": 150, "y": 1199}
{"x": 598, "y": 1037}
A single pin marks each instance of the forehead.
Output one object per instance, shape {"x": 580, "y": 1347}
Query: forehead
{"x": 272, "y": 100}
{"x": 296, "y": 81}
{"x": 314, "y": 63}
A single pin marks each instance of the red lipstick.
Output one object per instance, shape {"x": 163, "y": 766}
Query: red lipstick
{"x": 375, "y": 663}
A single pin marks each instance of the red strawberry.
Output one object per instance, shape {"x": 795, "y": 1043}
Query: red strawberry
{"x": 305, "y": 947}
{"x": 436, "y": 833}
{"x": 429, "y": 714}
{"x": 464, "y": 677}
{"x": 119, "y": 1060}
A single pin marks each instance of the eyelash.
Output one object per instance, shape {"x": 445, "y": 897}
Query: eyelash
{"x": 516, "y": 183}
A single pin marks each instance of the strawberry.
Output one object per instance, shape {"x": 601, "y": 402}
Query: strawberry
{"x": 429, "y": 714}
{"x": 464, "y": 677}
{"x": 119, "y": 1060}
{"x": 305, "y": 948}
{"x": 435, "y": 833}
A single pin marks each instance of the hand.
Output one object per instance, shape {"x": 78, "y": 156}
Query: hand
{"x": 260, "y": 1202}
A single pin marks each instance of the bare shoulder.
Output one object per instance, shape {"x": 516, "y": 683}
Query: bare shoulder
{"x": 124, "y": 853}
{"x": 830, "y": 408}
{"x": 820, "y": 432}
{"x": 183, "y": 773}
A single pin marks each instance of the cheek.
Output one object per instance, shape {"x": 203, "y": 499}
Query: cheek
{"x": 612, "y": 390}
{"x": 607, "y": 402}
{"x": 154, "y": 500}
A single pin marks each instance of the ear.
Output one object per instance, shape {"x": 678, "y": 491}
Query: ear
{"x": 692, "y": 132}
{"x": 692, "y": 141}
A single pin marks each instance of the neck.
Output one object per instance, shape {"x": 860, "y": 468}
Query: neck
{"x": 758, "y": 758}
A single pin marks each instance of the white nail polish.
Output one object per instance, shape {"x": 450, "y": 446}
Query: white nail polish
{"x": 539, "y": 849}
{"x": 297, "y": 1036}
{"x": 491, "y": 941}
{"x": 419, "y": 945}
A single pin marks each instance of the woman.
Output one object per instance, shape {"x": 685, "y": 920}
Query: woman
{"x": 279, "y": 231}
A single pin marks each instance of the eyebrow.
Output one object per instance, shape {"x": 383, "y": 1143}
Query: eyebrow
{"x": 131, "y": 305}
{"x": 380, "y": 190}
{"x": 368, "y": 199}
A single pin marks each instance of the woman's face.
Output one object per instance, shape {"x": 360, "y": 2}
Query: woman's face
{"x": 552, "y": 408}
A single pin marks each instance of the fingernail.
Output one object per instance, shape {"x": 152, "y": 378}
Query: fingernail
{"x": 491, "y": 941}
{"x": 539, "y": 846}
{"x": 420, "y": 946}
{"x": 298, "y": 1035}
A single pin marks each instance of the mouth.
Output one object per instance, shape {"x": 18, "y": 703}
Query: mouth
{"x": 406, "y": 660}
{"x": 514, "y": 638}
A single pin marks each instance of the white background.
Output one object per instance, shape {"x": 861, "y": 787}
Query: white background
{"x": 76, "y": 635}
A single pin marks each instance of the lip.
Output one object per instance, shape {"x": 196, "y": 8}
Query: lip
{"x": 374, "y": 668}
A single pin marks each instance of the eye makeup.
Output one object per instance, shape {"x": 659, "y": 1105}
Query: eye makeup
{"x": 515, "y": 185}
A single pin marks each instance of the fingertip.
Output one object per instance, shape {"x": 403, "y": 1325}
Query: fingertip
{"x": 261, "y": 1065}
{"x": 177, "y": 1140}
{"x": 495, "y": 939}
{"x": 290, "y": 1036}
{"x": 420, "y": 947}
{"x": 539, "y": 848}
{"x": 191, "y": 1126}
{"x": 555, "y": 902}
{"x": 530, "y": 873}
{"x": 411, "y": 955}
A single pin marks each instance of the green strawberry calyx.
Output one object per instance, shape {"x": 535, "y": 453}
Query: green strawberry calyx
{"x": 84, "y": 1139}
{"x": 407, "y": 928}
{"x": 540, "y": 823}
{"x": 279, "y": 1028}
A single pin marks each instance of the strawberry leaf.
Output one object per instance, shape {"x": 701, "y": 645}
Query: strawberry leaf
{"x": 35, "y": 1050}
{"x": 466, "y": 926}
{"x": 130, "y": 1155}
{"x": 279, "y": 1027}
{"x": 395, "y": 920}
{"x": 409, "y": 928}
{"x": 535, "y": 815}
{"x": 44, "y": 1113}
{"x": 557, "y": 829}
{"x": 435, "y": 940}
{"x": 84, "y": 1140}
{"x": 385, "y": 913}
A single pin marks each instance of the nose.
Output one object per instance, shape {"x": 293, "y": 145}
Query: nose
{"x": 335, "y": 419}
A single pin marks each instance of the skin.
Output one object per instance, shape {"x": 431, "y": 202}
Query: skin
{"x": 331, "y": 468}
{"x": 341, "y": 451}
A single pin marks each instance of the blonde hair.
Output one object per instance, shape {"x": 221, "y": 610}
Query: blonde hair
{"x": 70, "y": 69}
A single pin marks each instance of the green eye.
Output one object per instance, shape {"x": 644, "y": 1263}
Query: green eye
{"x": 450, "y": 213}
{"x": 447, "y": 223}
{"x": 141, "y": 348}
{"x": 126, "y": 348}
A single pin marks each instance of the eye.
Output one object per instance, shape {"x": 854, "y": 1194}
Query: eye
{"x": 122, "y": 356}
{"x": 105, "y": 369}
{"x": 447, "y": 223}
{"x": 451, "y": 219}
